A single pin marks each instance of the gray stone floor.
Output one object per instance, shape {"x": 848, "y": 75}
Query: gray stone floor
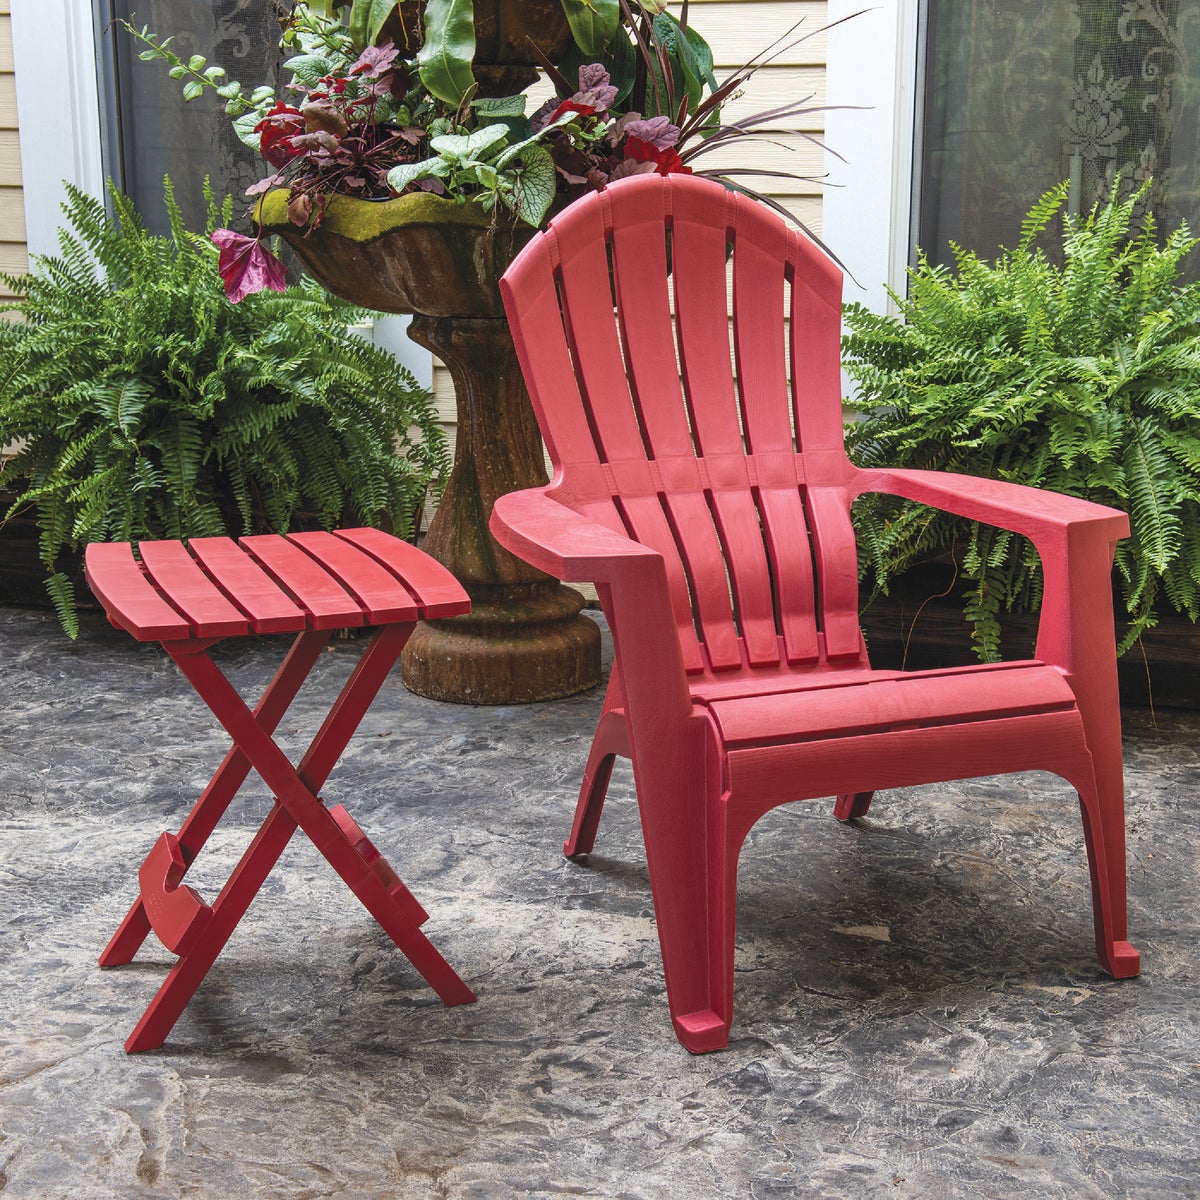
{"x": 919, "y": 1013}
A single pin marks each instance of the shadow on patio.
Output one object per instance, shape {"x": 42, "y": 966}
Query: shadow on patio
{"x": 919, "y": 1009}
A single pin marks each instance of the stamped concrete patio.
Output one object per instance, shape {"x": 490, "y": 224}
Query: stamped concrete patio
{"x": 919, "y": 1011}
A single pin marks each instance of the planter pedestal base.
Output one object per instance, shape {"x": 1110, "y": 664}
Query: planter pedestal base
{"x": 516, "y": 646}
{"x": 524, "y": 639}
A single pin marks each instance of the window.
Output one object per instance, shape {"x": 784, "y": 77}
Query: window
{"x": 967, "y": 110}
{"x": 148, "y": 132}
{"x": 1023, "y": 94}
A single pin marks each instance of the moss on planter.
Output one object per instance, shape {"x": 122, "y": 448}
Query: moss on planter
{"x": 366, "y": 220}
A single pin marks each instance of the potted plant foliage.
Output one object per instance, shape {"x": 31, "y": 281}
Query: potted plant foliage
{"x": 405, "y": 169}
{"x": 144, "y": 405}
{"x": 1077, "y": 371}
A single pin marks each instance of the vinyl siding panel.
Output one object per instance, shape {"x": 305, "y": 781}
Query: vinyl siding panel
{"x": 13, "y": 258}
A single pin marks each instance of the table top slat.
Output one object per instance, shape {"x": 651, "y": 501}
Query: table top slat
{"x": 182, "y": 580}
{"x": 436, "y": 589}
{"x": 129, "y": 598}
{"x": 383, "y": 597}
{"x": 328, "y": 604}
{"x": 241, "y": 578}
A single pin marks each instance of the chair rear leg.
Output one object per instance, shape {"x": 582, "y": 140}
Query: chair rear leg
{"x": 609, "y": 741}
{"x": 852, "y": 804}
{"x": 1102, "y": 805}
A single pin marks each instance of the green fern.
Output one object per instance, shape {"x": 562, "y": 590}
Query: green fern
{"x": 1082, "y": 377}
{"x": 145, "y": 405}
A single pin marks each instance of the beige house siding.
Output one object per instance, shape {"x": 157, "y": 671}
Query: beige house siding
{"x": 738, "y": 30}
{"x": 13, "y": 259}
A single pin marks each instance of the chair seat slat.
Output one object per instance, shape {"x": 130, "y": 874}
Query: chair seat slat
{"x": 891, "y": 701}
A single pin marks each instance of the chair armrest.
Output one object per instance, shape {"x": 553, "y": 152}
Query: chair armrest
{"x": 562, "y": 542}
{"x": 631, "y": 580}
{"x": 1074, "y": 538}
{"x": 1033, "y": 512}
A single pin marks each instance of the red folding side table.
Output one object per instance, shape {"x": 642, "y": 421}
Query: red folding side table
{"x": 191, "y": 595}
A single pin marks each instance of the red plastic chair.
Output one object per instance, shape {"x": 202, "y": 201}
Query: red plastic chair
{"x": 709, "y": 501}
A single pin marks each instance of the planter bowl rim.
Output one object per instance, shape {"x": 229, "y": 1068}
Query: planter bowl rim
{"x": 367, "y": 220}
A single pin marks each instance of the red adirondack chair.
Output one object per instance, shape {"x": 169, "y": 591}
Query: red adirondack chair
{"x": 709, "y": 501}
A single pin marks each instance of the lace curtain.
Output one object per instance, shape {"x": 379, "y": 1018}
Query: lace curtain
{"x": 151, "y": 132}
{"x": 1022, "y": 94}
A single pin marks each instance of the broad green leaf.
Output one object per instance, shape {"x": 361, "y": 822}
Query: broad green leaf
{"x": 593, "y": 22}
{"x": 243, "y": 126}
{"x": 703, "y": 55}
{"x": 500, "y": 106}
{"x": 463, "y": 146}
{"x": 366, "y": 20}
{"x": 537, "y": 183}
{"x": 308, "y": 68}
{"x": 683, "y": 59}
{"x": 429, "y": 168}
{"x": 515, "y": 151}
{"x": 193, "y": 89}
{"x": 444, "y": 61}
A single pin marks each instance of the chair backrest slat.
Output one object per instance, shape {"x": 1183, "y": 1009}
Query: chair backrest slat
{"x": 760, "y": 262}
{"x": 701, "y": 222}
{"x": 588, "y": 313}
{"x": 709, "y": 446}
{"x": 641, "y": 275}
{"x": 815, "y": 332}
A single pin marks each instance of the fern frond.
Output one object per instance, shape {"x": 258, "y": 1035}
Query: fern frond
{"x": 1082, "y": 377}
{"x": 148, "y": 406}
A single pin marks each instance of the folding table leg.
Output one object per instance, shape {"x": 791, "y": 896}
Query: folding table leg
{"x": 295, "y": 789}
{"x": 228, "y": 909}
{"x": 224, "y": 785}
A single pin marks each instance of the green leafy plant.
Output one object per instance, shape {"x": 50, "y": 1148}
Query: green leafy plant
{"x": 636, "y": 92}
{"x": 146, "y": 406}
{"x": 486, "y": 163}
{"x": 1080, "y": 375}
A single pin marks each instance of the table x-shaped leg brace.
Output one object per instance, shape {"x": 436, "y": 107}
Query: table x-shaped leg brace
{"x": 196, "y": 931}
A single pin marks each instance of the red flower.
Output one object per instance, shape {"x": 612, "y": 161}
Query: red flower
{"x": 277, "y": 128}
{"x": 666, "y": 160}
{"x": 246, "y": 266}
{"x": 572, "y": 106}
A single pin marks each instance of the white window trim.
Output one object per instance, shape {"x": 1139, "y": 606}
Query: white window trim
{"x": 59, "y": 123}
{"x": 871, "y": 88}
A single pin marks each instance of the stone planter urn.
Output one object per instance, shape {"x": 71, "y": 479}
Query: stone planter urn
{"x": 525, "y": 639}
{"x": 505, "y": 32}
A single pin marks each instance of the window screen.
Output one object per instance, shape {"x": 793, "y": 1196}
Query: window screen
{"x": 149, "y": 132}
{"x": 1022, "y": 94}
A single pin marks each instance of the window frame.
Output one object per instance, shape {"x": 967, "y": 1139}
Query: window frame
{"x": 59, "y": 125}
{"x": 873, "y": 94}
